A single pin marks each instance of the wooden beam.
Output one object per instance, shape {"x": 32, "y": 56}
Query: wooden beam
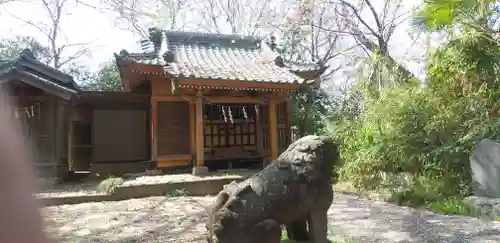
{"x": 249, "y": 100}
{"x": 175, "y": 157}
{"x": 199, "y": 130}
{"x": 168, "y": 98}
{"x": 212, "y": 99}
{"x": 154, "y": 129}
{"x": 173, "y": 163}
{"x": 273, "y": 129}
{"x": 239, "y": 84}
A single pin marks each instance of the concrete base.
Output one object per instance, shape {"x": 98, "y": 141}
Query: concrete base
{"x": 44, "y": 183}
{"x": 200, "y": 170}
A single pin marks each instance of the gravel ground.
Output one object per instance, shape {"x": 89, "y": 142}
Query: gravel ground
{"x": 89, "y": 188}
{"x": 150, "y": 180}
{"x": 181, "y": 219}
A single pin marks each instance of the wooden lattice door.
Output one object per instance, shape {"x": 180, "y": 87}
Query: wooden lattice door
{"x": 230, "y": 126}
{"x": 282, "y": 126}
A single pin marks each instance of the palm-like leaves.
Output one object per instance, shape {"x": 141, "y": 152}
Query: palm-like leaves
{"x": 438, "y": 15}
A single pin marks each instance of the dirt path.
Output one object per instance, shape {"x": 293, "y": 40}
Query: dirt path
{"x": 160, "y": 219}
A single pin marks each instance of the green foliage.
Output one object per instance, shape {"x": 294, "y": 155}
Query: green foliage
{"x": 307, "y": 117}
{"x": 10, "y": 48}
{"x": 453, "y": 206}
{"x": 108, "y": 185}
{"x": 466, "y": 15}
{"x": 80, "y": 73}
{"x": 314, "y": 118}
{"x": 178, "y": 193}
{"x": 106, "y": 79}
{"x": 427, "y": 130}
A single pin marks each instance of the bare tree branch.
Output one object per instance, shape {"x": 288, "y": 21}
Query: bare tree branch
{"x": 385, "y": 27}
{"x": 137, "y": 16}
{"x": 246, "y": 17}
{"x": 51, "y": 29}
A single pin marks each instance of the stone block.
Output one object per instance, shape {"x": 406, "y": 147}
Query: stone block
{"x": 200, "y": 170}
{"x": 484, "y": 207}
{"x": 485, "y": 165}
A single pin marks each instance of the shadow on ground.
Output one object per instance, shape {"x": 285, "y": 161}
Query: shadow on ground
{"x": 161, "y": 219}
{"x": 372, "y": 221}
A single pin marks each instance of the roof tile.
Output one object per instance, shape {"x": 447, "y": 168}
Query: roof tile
{"x": 225, "y": 57}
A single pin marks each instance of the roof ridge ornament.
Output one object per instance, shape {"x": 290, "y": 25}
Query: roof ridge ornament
{"x": 279, "y": 61}
{"x": 169, "y": 56}
{"x": 273, "y": 44}
{"x": 156, "y": 36}
{"x": 28, "y": 53}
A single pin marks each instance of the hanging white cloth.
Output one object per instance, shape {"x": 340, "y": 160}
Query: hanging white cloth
{"x": 224, "y": 114}
{"x": 245, "y": 113}
{"x": 230, "y": 114}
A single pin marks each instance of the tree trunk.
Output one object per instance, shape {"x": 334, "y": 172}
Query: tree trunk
{"x": 305, "y": 128}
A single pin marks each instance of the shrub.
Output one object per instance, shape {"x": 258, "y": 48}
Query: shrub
{"x": 108, "y": 185}
{"x": 178, "y": 193}
{"x": 428, "y": 131}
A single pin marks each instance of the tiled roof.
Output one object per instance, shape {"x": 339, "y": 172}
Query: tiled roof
{"x": 26, "y": 67}
{"x": 222, "y": 57}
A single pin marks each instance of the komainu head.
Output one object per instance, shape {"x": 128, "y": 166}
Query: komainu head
{"x": 312, "y": 155}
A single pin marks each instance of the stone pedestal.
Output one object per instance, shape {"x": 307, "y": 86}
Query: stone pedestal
{"x": 485, "y": 165}
{"x": 44, "y": 183}
{"x": 200, "y": 170}
{"x": 488, "y": 208}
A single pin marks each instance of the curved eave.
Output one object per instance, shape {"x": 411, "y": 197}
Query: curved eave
{"x": 133, "y": 66}
{"x": 311, "y": 75}
{"x": 29, "y": 62}
{"x": 39, "y": 82}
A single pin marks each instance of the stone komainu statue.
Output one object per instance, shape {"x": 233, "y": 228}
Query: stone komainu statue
{"x": 293, "y": 190}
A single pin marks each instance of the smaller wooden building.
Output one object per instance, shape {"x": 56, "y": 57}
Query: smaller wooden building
{"x": 216, "y": 101}
{"x": 75, "y": 131}
{"x": 42, "y": 96}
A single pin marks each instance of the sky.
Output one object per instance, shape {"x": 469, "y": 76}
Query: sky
{"x": 83, "y": 25}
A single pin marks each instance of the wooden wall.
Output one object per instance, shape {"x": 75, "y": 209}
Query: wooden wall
{"x": 173, "y": 128}
{"x": 42, "y": 123}
{"x": 109, "y": 128}
{"x": 119, "y": 135}
{"x": 160, "y": 86}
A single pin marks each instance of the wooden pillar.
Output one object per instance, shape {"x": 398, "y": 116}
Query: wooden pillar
{"x": 72, "y": 111}
{"x": 273, "y": 130}
{"x": 289, "y": 109}
{"x": 258, "y": 132}
{"x": 199, "y": 130}
{"x": 192, "y": 128}
{"x": 61, "y": 136}
{"x": 154, "y": 129}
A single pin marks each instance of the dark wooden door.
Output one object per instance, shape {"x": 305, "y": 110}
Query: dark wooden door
{"x": 120, "y": 135}
{"x": 173, "y": 128}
